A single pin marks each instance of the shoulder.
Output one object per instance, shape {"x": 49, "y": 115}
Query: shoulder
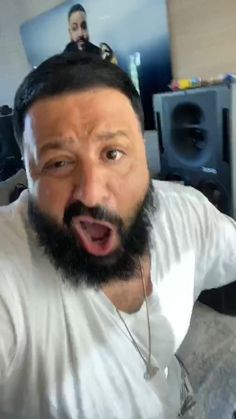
{"x": 71, "y": 47}
{"x": 12, "y": 228}
{"x": 14, "y": 270}
{"x": 183, "y": 210}
{"x": 15, "y": 255}
{"x": 176, "y": 195}
{"x": 7, "y": 186}
{"x": 93, "y": 49}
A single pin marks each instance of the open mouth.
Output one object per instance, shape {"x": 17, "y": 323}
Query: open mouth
{"x": 81, "y": 43}
{"x": 96, "y": 237}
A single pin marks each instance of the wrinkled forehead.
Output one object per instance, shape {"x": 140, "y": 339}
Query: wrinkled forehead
{"x": 95, "y": 110}
{"x": 77, "y": 17}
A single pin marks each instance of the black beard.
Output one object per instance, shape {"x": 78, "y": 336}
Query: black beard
{"x": 86, "y": 43}
{"x": 61, "y": 245}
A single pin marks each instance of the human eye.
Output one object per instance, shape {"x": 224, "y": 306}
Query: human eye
{"x": 59, "y": 166}
{"x": 84, "y": 25}
{"x": 114, "y": 154}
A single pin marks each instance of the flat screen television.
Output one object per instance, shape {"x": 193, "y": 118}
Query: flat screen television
{"x": 136, "y": 30}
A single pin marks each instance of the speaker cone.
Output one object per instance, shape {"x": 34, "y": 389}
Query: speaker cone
{"x": 189, "y": 138}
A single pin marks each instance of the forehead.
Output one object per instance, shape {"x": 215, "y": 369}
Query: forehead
{"x": 77, "y": 17}
{"x": 86, "y": 112}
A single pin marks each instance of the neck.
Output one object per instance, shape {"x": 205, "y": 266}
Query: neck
{"x": 128, "y": 296}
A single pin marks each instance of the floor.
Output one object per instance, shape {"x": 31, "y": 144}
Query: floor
{"x": 209, "y": 353}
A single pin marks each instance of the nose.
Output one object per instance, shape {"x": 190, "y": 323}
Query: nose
{"x": 91, "y": 187}
{"x": 79, "y": 33}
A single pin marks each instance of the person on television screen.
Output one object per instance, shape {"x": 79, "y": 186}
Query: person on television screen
{"x": 79, "y": 35}
{"x": 100, "y": 265}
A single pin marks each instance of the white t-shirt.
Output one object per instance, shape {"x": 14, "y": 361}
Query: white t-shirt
{"x": 64, "y": 352}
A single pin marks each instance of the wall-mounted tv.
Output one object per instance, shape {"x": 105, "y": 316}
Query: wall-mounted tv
{"x": 134, "y": 32}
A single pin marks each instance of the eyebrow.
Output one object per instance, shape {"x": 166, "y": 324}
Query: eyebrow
{"x": 56, "y": 145}
{"x": 77, "y": 24}
{"x": 62, "y": 144}
{"x": 111, "y": 135}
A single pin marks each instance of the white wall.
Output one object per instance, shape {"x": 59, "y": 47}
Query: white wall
{"x": 203, "y": 34}
{"x": 13, "y": 62}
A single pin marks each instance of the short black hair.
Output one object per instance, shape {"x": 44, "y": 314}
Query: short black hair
{"x": 76, "y": 8}
{"x": 68, "y": 73}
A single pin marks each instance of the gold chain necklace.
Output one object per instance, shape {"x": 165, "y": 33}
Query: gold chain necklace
{"x": 150, "y": 370}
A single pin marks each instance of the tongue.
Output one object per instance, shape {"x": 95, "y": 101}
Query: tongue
{"x": 96, "y": 238}
{"x": 96, "y": 231}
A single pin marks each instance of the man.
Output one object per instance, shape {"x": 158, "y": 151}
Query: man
{"x": 78, "y": 31}
{"x": 99, "y": 266}
{"x": 79, "y": 35}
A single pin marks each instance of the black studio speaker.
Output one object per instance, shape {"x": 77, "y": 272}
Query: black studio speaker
{"x": 10, "y": 156}
{"x": 197, "y": 147}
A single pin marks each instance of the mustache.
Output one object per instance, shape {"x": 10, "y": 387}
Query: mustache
{"x": 98, "y": 213}
{"x": 81, "y": 38}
